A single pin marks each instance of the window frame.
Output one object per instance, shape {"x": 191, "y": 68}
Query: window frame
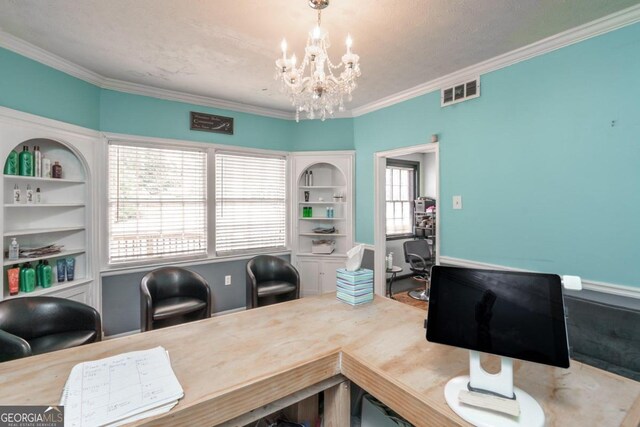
{"x": 415, "y": 165}
{"x": 102, "y": 216}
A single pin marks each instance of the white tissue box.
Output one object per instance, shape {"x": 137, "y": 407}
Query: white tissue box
{"x": 324, "y": 247}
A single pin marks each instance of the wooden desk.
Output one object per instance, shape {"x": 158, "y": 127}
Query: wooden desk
{"x": 233, "y": 364}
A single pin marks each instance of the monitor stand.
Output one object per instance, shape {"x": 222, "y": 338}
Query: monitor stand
{"x": 531, "y": 413}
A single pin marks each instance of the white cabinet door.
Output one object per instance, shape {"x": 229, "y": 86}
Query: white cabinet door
{"x": 309, "y": 277}
{"x": 328, "y": 275}
{"x": 80, "y": 294}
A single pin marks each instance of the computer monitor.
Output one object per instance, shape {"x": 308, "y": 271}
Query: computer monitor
{"x": 510, "y": 314}
{"x": 513, "y": 314}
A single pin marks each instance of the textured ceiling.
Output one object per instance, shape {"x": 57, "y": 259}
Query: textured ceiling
{"x": 226, "y": 49}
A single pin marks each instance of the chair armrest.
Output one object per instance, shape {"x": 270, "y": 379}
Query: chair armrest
{"x": 292, "y": 276}
{"x": 414, "y": 264}
{"x": 12, "y": 347}
{"x": 146, "y": 310}
{"x": 252, "y": 291}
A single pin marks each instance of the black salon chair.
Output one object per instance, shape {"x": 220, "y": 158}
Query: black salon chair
{"x": 36, "y": 325}
{"x": 271, "y": 280}
{"x": 419, "y": 255}
{"x": 172, "y": 295}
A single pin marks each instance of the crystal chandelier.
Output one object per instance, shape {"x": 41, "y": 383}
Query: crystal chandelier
{"x": 319, "y": 92}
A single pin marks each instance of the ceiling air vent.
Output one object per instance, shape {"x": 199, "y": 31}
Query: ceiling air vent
{"x": 460, "y": 92}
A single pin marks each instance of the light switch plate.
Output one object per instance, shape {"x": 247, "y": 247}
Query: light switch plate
{"x": 457, "y": 202}
{"x": 227, "y": 280}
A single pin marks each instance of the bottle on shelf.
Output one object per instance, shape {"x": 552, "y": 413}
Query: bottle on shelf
{"x": 39, "y": 273}
{"x": 47, "y": 275}
{"x": 14, "y": 249}
{"x": 38, "y": 196}
{"x": 310, "y": 178}
{"x": 390, "y": 261}
{"x": 11, "y": 165}
{"x": 13, "y": 274}
{"x": 61, "y": 269}
{"x": 46, "y": 168}
{"x": 27, "y": 278}
{"x": 56, "y": 170}
{"x": 306, "y": 178}
{"x": 16, "y": 194}
{"x": 25, "y": 162}
{"x": 71, "y": 269}
{"x": 29, "y": 194}
{"x": 37, "y": 161}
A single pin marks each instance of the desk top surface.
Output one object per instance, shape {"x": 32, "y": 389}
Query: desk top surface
{"x": 231, "y": 364}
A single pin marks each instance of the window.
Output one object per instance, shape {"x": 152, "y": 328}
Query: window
{"x": 250, "y": 203}
{"x": 401, "y": 183}
{"x": 157, "y": 202}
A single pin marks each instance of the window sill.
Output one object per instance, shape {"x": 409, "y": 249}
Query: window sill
{"x": 400, "y": 236}
{"x": 116, "y": 270}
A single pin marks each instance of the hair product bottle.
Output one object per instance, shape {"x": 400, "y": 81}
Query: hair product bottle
{"x": 56, "y": 170}
{"x": 61, "y": 269}
{"x": 39, "y": 273}
{"x": 37, "y": 161}
{"x": 27, "y": 278}
{"x": 11, "y": 165}
{"x": 25, "y": 162}
{"x": 29, "y": 194}
{"x": 16, "y": 194}
{"x": 14, "y": 249}
{"x": 13, "y": 274}
{"x": 71, "y": 269}
{"x": 310, "y": 178}
{"x": 47, "y": 275}
{"x": 38, "y": 196}
{"x": 46, "y": 168}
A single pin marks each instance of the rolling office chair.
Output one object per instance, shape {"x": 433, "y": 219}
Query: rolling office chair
{"x": 419, "y": 255}
{"x": 271, "y": 280}
{"x": 172, "y": 295}
{"x": 36, "y": 325}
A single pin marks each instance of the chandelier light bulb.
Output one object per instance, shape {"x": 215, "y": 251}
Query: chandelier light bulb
{"x": 316, "y": 32}
{"x": 293, "y": 60}
{"x": 349, "y": 43}
{"x": 283, "y": 46}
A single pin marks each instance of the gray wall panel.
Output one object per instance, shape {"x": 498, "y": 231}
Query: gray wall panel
{"x": 121, "y": 294}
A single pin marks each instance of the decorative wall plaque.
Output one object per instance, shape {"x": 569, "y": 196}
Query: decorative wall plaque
{"x": 211, "y": 123}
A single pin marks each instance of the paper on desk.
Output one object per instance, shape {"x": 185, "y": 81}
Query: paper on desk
{"x": 120, "y": 388}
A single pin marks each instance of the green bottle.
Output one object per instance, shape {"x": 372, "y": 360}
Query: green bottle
{"x": 39, "y": 273}
{"x": 47, "y": 275}
{"x": 25, "y": 161}
{"x": 27, "y": 278}
{"x": 11, "y": 165}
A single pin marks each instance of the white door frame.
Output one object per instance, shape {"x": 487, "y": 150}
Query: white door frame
{"x": 379, "y": 236}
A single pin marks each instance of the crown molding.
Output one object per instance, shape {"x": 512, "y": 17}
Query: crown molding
{"x": 603, "y": 25}
{"x": 591, "y": 29}
{"x": 171, "y": 95}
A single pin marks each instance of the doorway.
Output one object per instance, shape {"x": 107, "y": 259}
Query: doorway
{"x": 406, "y": 209}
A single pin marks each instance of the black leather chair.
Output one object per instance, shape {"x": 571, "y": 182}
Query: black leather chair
{"x": 172, "y": 295}
{"x": 36, "y": 325}
{"x": 271, "y": 280}
{"x": 419, "y": 255}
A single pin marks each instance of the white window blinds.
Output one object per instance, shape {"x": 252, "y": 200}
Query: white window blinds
{"x": 157, "y": 202}
{"x": 250, "y": 203}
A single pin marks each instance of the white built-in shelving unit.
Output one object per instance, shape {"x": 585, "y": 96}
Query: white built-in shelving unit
{"x": 64, "y": 216}
{"x": 332, "y": 176}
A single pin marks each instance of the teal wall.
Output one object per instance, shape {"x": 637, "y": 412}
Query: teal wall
{"x": 332, "y": 134}
{"x": 142, "y": 115}
{"x": 29, "y": 86}
{"x": 547, "y": 183}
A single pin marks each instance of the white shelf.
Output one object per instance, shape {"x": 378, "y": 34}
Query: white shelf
{"x": 320, "y": 187}
{"x": 41, "y": 231}
{"x": 44, "y": 205}
{"x": 49, "y": 256}
{"x": 40, "y": 179}
{"x": 321, "y": 218}
{"x": 321, "y": 203}
{"x": 323, "y": 234}
{"x": 55, "y": 287}
{"x": 331, "y": 255}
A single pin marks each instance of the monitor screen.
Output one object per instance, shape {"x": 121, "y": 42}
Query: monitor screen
{"x": 512, "y": 314}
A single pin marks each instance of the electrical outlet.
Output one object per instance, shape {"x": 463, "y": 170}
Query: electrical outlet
{"x": 227, "y": 280}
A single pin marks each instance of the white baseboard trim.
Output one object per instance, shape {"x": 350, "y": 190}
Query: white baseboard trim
{"x": 137, "y": 331}
{"x": 592, "y": 285}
